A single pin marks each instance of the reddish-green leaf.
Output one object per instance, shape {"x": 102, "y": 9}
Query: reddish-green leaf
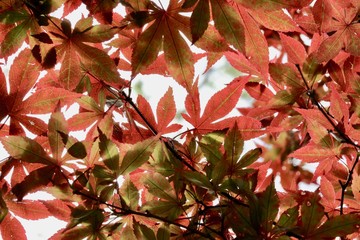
{"x": 14, "y": 39}
{"x": 147, "y": 48}
{"x": 109, "y": 153}
{"x": 137, "y": 155}
{"x": 256, "y": 47}
{"x": 159, "y": 186}
{"x": 57, "y": 123}
{"x": 228, "y": 24}
{"x": 129, "y": 194}
{"x": 276, "y": 20}
{"x": 178, "y": 56}
{"x": 25, "y": 149}
{"x": 233, "y": 145}
{"x": 70, "y": 71}
{"x": 330, "y": 47}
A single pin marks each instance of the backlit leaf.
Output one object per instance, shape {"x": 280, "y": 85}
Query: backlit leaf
{"x": 199, "y": 19}
{"x": 137, "y": 155}
{"x": 129, "y": 193}
{"x": 11, "y": 228}
{"x": 222, "y": 102}
{"x": 159, "y": 186}
{"x": 228, "y": 24}
{"x": 25, "y": 149}
{"x": 338, "y": 226}
{"x": 109, "y": 153}
{"x": 311, "y": 214}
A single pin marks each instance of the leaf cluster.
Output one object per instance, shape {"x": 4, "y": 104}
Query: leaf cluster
{"x": 154, "y": 172}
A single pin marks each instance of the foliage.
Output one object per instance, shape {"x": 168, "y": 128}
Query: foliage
{"x": 127, "y": 179}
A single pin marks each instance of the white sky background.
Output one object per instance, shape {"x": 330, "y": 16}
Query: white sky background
{"x": 153, "y": 88}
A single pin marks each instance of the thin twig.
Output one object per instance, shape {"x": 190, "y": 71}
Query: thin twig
{"x": 347, "y": 183}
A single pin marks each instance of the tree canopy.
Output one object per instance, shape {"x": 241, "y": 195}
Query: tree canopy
{"x": 141, "y": 172}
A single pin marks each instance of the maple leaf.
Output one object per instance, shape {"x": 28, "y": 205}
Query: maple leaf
{"x": 341, "y": 27}
{"x": 218, "y": 106}
{"x": 164, "y": 31}
{"x": 14, "y": 38}
{"x": 23, "y": 74}
{"x": 91, "y": 113}
{"x": 77, "y": 57}
{"x": 165, "y": 113}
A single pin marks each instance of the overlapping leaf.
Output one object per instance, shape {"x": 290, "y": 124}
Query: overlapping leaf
{"x": 218, "y": 106}
{"x": 164, "y": 31}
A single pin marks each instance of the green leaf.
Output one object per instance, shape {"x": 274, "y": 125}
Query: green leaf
{"x": 268, "y": 206}
{"x": 233, "y": 145}
{"x": 80, "y": 215}
{"x": 11, "y": 16}
{"x": 340, "y": 226}
{"x": 198, "y": 179}
{"x": 26, "y": 149}
{"x": 249, "y": 158}
{"x": 129, "y": 193}
{"x": 78, "y": 150}
{"x": 137, "y": 155}
{"x": 199, "y": 19}
{"x": 3, "y": 208}
{"x": 109, "y": 152}
{"x": 228, "y": 24}
{"x": 163, "y": 233}
{"x": 169, "y": 210}
{"x": 143, "y": 232}
{"x": 288, "y": 218}
{"x": 239, "y": 220}
{"x": 159, "y": 186}
{"x": 311, "y": 213}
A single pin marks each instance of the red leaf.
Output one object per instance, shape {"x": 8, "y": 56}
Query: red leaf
{"x": 275, "y": 20}
{"x": 58, "y": 209}
{"x": 192, "y": 105}
{"x": 259, "y": 91}
{"x": 28, "y": 209}
{"x": 165, "y": 112}
{"x": 329, "y": 198}
{"x": 313, "y": 153}
{"x": 222, "y": 102}
{"x": 11, "y": 229}
{"x": 256, "y": 46}
{"x": 295, "y": 50}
